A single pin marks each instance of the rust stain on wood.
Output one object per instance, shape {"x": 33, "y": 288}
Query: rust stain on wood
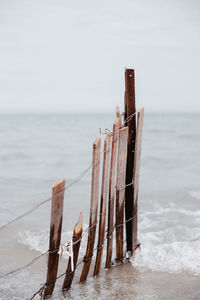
{"x": 104, "y": 197}
{"x": 120, "y": 190}
{"x": 112, "y": 183}
{"x": 55, "y": 235}
{"x": 93, "y": 209}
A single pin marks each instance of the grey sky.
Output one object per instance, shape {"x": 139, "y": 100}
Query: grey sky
{"x": 69, "y": 56}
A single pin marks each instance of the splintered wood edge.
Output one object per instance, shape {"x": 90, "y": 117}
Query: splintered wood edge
{"x": 124, "y": 129}
{"x": 79, "y": 224}
{"x": 118, "y": 111}
{"x": 107, "y": 139}
{"x": 58, "y": 183}
{"x": 141, "y": 110}
{"x": 97, "y": 143}
{"x": 119, "y": 116}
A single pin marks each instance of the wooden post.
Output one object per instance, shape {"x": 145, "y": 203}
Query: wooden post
{"x": 129, "y": 108}
{"x": 93, "y": 209}
{"x": 112, "y": 182}
{"x": 137, "y": 156}
{"x": 120, "y": 190}
{"x": 55, "y": 235}
{"x": 76, "y": 245}
{"x": 104, "y": 196}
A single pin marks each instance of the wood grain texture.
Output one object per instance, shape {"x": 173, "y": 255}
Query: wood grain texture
{"x": 120, "y": 190}
{"x": 136, "y": 170}
{"x": 129, "y": 108}
{"x": 103, "y": 205}
{"x": 77, "y": 234}
{"x": 93, "y": 209}
{"x": 55, "y": 235}
{"x": 112, "y": 183}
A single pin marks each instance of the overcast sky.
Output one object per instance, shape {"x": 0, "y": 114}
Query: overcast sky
{"x": 69, "y": 56}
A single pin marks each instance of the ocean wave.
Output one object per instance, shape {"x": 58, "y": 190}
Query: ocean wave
{"x": 170, "y": 210}
{"x": 173, "y": 249}
{"x": 39, "y": 241}
{"x": 169, "y": 257}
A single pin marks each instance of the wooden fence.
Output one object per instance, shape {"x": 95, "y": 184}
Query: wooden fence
{"x": 118, "y": 198}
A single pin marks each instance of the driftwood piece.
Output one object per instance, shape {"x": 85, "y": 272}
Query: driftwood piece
{"x": 55, "y": 235}
{"x": 112, "y": 182}
{"x": 104, "y": 197}
{"x": 130, "y": 109}
{"x": 136, "y": 170}
{"x": 120, "y": 190}
{"x": 93, "y": 209}
{"x": 77, "y": 234}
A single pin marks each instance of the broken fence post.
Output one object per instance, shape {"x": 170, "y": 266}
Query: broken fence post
{"x": 76, "y": 240}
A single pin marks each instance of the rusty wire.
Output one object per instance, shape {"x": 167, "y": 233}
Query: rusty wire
{"x": 107, "y": 131}
{"x": 42, "y": 289}
{"x": 84, "y": 259}
{"x": 108, "y": 236}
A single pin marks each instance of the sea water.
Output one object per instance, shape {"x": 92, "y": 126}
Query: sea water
{"x": 38, "y": 150}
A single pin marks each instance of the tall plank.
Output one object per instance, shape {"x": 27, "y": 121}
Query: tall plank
{"x": 130, "y": 109}
{"x": 112, "y": 182}
{"x": 104, "y": 196}
{"x": 93, "y": 209}
{"x": 136, "y": 170}
{"x": 77, "y": 234}
{"x": 55, "y": 235}
{"x": 120, "y": 190}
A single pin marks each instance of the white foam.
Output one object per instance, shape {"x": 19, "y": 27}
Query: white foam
{"x": 174, "y": 249}
{"x": 169, "y": 257}
{"x": 171, "y": 248}
{"x": 39, "y": 241}
{"x": 168, "y": 210}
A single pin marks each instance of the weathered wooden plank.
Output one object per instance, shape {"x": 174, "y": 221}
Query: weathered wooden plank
{"x": 136, "y": 170}
{"x": 93, "y": 209}
{"x": 120, "y": 190}
{"x": 104, "y": 196}
{"x": 119, "y": 116}
{"x": 77, "y": 234}
{"x": 112, "y": 183}
{"x": 55, "y": 235}
{"x": 130, "y": 109}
